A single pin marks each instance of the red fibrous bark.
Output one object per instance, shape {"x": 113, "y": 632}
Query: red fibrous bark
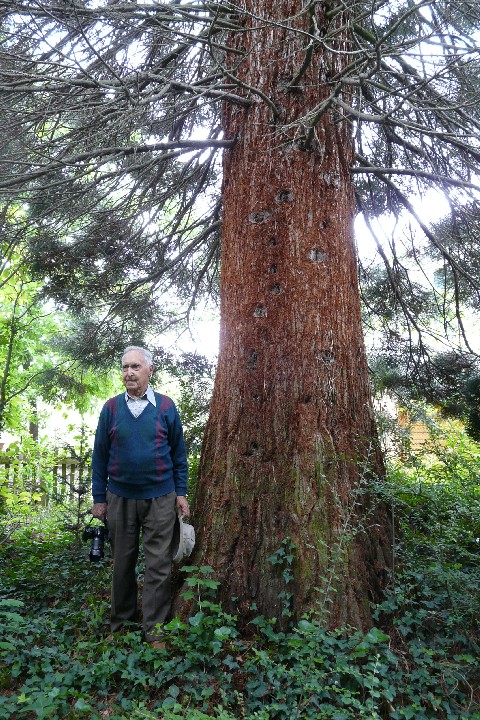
{"x": 290, "y": 446}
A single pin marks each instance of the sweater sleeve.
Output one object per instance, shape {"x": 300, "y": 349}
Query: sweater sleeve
{"x": 178, "y": 451}
{"x": 101, "y": 449}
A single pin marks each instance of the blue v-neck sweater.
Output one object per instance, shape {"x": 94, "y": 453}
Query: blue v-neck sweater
{"x": 140, "y": 457}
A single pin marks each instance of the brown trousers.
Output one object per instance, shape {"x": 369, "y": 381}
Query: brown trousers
{"x": 155, "y": 520}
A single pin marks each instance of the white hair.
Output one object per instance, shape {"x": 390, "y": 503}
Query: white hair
{"x": 146, "y": 353}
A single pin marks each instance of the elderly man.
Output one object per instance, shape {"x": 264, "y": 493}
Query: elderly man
{"x": 139, "y": 483}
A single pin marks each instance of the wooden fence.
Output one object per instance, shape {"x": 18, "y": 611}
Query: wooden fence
{"x": 57, "y": 479}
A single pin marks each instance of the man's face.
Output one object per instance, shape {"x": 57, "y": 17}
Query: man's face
{"x": 135, "y": 373}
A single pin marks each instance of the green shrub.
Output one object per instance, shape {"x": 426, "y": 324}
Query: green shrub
{"x": 436, "y": 498}
{"x": 59, "y": 661}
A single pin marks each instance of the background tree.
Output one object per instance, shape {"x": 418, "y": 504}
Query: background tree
{"x": 426, "y": 353}
{"x": 35, "y": 364}
{"x": 113, "y": 122}
{"x": 26, "y": 333}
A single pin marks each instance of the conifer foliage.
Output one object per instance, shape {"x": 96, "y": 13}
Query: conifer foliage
{"x": 111, "y": 132}
{"x": 116, "y": 116}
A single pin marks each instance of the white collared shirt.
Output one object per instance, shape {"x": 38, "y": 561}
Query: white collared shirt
{"x": 137, "y": 405}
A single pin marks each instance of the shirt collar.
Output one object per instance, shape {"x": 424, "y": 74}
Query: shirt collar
{"x": 150, "y": 396}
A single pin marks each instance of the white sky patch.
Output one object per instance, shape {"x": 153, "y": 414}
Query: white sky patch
{"x": 201, "y": 337}
{"x": 432, "y": 206}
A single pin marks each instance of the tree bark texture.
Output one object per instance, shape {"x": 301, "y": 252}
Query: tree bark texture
{"x": 290, "y": 445}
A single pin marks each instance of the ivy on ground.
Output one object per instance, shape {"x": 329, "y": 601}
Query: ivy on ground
{"x": 58, "y": 659}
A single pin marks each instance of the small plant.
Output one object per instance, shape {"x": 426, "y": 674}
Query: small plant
{"x": 284, "y": 557}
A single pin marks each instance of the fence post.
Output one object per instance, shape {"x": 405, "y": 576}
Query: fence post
{"x": 67, "y": 477}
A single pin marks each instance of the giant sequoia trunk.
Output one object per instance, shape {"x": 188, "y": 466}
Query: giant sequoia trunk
{"x": 290, "y": 444}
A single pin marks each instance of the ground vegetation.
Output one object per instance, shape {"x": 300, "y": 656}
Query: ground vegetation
{"x": 115, "y": 115}
{"x": 58, "y": 659}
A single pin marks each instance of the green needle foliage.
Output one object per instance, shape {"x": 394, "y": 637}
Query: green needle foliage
{"x": 58, "y": 659}
{"x": 112, "y": 134}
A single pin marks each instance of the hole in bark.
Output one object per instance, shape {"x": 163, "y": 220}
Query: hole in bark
{"x": 307, "y": 399}
{"x": 253, "y": 449}
{"x": 284, "y": 196}
{"x": 300, "y": 144}
{"x": 273, "y": 241}
{"x": 272, "y": 269}
{"x": 326, "y": 356}
{"x": 260, "y": 311}
{"x": 262, "y": 216}
{"x": 276, "y": 289}
{"x": 324, "y": 224}
{"x": 295, "y": 89}
{"x": 317, "y": 255}
{"x": 331, "y": 179}
{"x": 252, "y": 360}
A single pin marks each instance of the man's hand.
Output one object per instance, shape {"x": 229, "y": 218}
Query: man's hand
{"x": 182, "y": 506}
{"x": 99, "y": 511}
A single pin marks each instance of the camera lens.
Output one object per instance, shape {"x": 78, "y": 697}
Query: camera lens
{"x": 99, "y": 536}
{"x": 96, "y": 551}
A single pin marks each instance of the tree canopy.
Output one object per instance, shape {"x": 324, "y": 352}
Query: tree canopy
{"x": 115, "y": 117}
{"x": 112, "y": 138}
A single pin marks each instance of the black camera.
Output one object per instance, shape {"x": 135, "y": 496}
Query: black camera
{"x": 98, "y": 534}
